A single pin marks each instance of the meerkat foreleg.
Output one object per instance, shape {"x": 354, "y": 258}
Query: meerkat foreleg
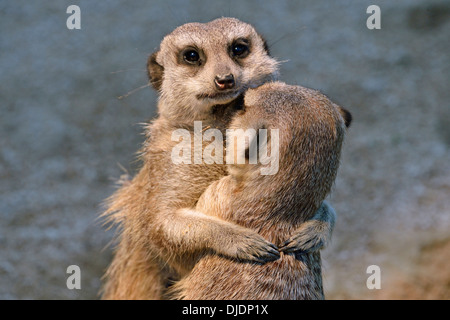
{"x": 192, "y": 231}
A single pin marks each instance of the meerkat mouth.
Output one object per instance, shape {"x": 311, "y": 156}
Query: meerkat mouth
{"x": 219, "y": 96}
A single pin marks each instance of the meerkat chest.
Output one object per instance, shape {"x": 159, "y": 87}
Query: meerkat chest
{"x": 185, "y": 161}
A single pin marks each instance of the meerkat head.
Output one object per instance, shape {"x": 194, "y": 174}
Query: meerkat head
{"x": 200, "y": 65}
{"x": 298, "y": 127}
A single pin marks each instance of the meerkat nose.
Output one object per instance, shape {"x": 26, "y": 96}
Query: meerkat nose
{"x": 224, "y": 82}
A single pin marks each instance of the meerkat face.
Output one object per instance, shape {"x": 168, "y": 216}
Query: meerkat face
{"x": 202, "y": 65}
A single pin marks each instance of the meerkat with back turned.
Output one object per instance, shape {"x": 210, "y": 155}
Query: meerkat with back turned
{"x": 310, "y": 134}
{"x": 201, "y": 72}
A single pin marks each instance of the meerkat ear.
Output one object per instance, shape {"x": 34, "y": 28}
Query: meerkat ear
{"x": 265, "y": 45}
{"x": 155, "y": 71}
{"x": 346, "y": 115}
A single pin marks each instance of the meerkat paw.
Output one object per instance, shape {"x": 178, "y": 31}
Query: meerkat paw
{"x": 256, "y": 248}
{"x": 314, "y": 234}
{"x": 311, "y": 236}
{"x": 248, "y": 246}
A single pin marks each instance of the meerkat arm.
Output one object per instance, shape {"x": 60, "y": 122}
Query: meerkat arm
{"x": 191, "y": 231}
{"x": 314, "y": 234}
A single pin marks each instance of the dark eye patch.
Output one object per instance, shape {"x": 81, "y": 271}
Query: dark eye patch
{"x": 191, "y": 56}
{"x": 240, "y": 48}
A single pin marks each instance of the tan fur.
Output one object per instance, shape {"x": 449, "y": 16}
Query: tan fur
{"x": 161, "y": 235}
{"x": 311, "y": 132}
{"x": 152, "y": 245}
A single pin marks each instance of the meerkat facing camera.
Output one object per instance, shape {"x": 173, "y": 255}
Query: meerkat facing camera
{"x": 310, "y": 134}
{"x": 201, "y": 71}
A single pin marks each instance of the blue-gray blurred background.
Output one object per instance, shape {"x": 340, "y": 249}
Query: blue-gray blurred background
{"x": 65, "y": 136}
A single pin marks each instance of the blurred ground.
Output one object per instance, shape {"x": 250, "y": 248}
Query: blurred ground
{"x": 63, "y": 132}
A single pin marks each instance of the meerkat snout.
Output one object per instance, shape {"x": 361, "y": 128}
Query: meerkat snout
{"x": 224, "y": 82}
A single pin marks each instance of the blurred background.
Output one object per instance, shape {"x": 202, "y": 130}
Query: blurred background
{"x": 66, "y": 136}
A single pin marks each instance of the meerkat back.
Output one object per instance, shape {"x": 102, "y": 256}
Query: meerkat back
{"x": 309, "y": 130}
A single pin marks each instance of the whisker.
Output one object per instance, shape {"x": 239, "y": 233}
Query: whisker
{"x": 283, "y": 61}
{"x": 293, "y": 33}
{"x": 118, "y": 71}
{"x": 133, "y": 91}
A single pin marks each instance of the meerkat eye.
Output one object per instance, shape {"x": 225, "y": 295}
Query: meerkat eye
{"x": 240, "y": 49}
{"x": 191, "y": 56}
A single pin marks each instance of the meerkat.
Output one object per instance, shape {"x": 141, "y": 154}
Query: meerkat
{"x": 311, "y": 132}
{"x": 201, "y": 71}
